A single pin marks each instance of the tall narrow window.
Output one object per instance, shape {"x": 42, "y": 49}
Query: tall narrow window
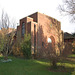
{"x": 34, "y": 38}
{"x": 23, "y": 29}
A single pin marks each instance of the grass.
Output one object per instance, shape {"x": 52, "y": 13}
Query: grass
{"x": 33, "y": 67}
{"x": 72, "y": 55}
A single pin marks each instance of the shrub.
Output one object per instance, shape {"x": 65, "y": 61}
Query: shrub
{"x": 26, "y": 46}
{"x": 16, "y": 48}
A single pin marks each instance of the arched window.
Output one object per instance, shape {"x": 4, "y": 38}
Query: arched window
{"x": 53, "y": 40}
{"x": 23, "y": 29}
{"x": 49, "y": 40}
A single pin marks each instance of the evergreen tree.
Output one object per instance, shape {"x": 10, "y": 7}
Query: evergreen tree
{"x": 26, "y": 46}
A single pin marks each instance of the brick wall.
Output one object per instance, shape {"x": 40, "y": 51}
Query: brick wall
{"x": 48, "y": 27}
{"x": 34, "y": 16}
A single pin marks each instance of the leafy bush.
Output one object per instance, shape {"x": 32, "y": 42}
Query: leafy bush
{"x": 26, "y": 46}
{"x": 16, "y": 49}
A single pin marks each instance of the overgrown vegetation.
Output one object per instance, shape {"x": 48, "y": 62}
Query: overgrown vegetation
{"x": 16, "y": 48}
{"x": 26, "y": 46}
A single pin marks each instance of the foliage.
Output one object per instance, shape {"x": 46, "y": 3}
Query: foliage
{"x": 17, "y": 45}
{"x": 26, "y": 46}
{"x": 7, "y": 41}
{"x": 16, "y": 48}
{"x": 1, "y": 42}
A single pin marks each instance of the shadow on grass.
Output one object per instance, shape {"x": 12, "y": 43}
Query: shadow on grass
{"x": 62, "y": 66}
{"x": 61, "y": 69}
{"x": 33, "y": 67}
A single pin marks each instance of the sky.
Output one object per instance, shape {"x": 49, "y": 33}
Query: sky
{"x": 18, "y": 9}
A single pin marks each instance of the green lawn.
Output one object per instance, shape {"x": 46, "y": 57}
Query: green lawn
{"x": 32, "y": 67}
{"x": 72, "y": 55}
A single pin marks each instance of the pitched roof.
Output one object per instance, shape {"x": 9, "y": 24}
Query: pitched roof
{"x": 68, "y": 36}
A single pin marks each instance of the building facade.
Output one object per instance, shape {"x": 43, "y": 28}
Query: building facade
{"x": 45, "y": 32}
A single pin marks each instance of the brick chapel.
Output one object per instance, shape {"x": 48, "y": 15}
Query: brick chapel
{"x": 44, "y": 30}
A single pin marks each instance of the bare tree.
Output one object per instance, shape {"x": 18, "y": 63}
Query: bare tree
{"x": 68, "y": 8}
{"x": 13, "y": 23}
{"x": 7, "y": 34}
{"x": 5, "y": 20}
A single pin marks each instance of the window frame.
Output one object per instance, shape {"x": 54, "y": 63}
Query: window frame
{"x": 23, "y": 28}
